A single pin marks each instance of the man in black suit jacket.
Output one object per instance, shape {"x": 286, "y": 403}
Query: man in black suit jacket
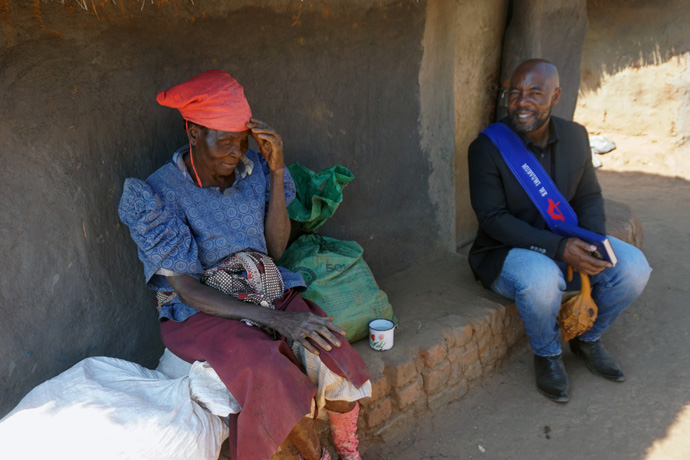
{"x": 515, "y": 253}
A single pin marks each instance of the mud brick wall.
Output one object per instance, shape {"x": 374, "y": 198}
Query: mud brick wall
{"x": 408, "y": 386}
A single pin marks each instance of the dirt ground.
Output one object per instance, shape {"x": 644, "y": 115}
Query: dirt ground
{"x": 645, "y": 418}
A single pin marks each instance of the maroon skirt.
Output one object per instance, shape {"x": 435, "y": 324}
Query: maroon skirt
{"x": 263, "y": 374}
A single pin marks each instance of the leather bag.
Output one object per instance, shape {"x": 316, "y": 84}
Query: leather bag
{"x": 578, "y": 313}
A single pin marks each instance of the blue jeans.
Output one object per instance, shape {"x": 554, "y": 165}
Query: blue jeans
{"x": 537, "y": 284}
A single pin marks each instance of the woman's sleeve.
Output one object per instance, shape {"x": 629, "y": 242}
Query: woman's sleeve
{"x": 288, "y": 183}
{"x": 162, "y": 239}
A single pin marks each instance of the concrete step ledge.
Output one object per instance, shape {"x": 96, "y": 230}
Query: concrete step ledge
{"x": 623, "y": 222}
{"x": 452, "y": 334}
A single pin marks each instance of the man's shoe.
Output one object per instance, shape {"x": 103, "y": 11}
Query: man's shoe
{"x": 598, "y": 361}
{"x": 552, "y": 381}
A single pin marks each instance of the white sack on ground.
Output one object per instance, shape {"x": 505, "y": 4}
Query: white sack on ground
{"x": 107, "y": 408}
{"x": 601, "y": 145}
{"x": 205, "y": 386}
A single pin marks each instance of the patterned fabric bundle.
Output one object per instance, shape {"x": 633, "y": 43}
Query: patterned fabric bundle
{"x": 262, "y": 285}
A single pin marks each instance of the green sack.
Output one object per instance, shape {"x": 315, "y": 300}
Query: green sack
{"x": 318, "y": 194}
{"x": 339, "y": 281}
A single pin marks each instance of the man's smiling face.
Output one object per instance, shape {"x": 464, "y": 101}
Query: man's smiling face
{"x": 532, "y": 94}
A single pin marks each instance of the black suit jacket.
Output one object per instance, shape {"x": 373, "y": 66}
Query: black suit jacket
{"x": 508, "y": 218}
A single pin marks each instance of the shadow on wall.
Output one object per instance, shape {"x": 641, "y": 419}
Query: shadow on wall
{"x": 339, "y": 81}
{"x": 553, "y": 30}
{"x": 627, "y": 34}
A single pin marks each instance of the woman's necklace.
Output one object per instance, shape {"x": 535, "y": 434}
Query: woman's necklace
{"x": 191, "y": 159}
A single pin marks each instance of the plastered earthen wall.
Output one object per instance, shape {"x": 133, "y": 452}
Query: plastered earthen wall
{"x": 370, "y": 85}
{"x": 476, "y": 84}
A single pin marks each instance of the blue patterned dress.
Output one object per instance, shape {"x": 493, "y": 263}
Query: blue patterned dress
{"x": 181, "y": 228}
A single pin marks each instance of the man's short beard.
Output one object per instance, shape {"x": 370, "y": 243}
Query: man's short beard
{"x": 539, "y": 121}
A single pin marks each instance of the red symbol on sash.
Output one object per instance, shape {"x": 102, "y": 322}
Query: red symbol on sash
{"x": 554, "y": 212}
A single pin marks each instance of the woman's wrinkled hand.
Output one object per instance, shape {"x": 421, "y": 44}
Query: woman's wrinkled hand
{"x": 307, "y": 327}
{"x": 269, "y": 142}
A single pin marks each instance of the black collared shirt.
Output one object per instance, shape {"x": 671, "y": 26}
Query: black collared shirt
{"x": 545, "y": 155}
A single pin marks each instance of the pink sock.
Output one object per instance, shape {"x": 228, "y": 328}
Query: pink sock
{"x": 344, "y": 432}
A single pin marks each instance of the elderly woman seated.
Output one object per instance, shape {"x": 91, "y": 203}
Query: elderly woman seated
{"x": 208, "y": 225}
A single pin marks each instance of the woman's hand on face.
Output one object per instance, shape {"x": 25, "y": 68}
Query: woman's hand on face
{"x": 302, "y": 326}
{"x": 270, "y": 143}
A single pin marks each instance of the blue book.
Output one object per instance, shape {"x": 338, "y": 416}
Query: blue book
{"x": 604, "y": 250}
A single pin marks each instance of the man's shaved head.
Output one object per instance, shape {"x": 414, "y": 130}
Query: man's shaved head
{"x": 542, "y": 66}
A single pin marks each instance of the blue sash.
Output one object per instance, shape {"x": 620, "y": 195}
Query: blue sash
{"x": 528, "y": 171}
{"x": 557, "y": 212}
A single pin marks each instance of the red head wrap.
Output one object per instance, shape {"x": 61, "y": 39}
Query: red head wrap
{"x": 213, "y": 99}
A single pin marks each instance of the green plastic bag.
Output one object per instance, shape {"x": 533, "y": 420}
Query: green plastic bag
{"x": 318, "y": 194}
{"x": 337, "y": 277}
{"x": 339, "y": 281}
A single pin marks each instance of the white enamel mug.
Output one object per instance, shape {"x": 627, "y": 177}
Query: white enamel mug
{"x": 381, "y": 334}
